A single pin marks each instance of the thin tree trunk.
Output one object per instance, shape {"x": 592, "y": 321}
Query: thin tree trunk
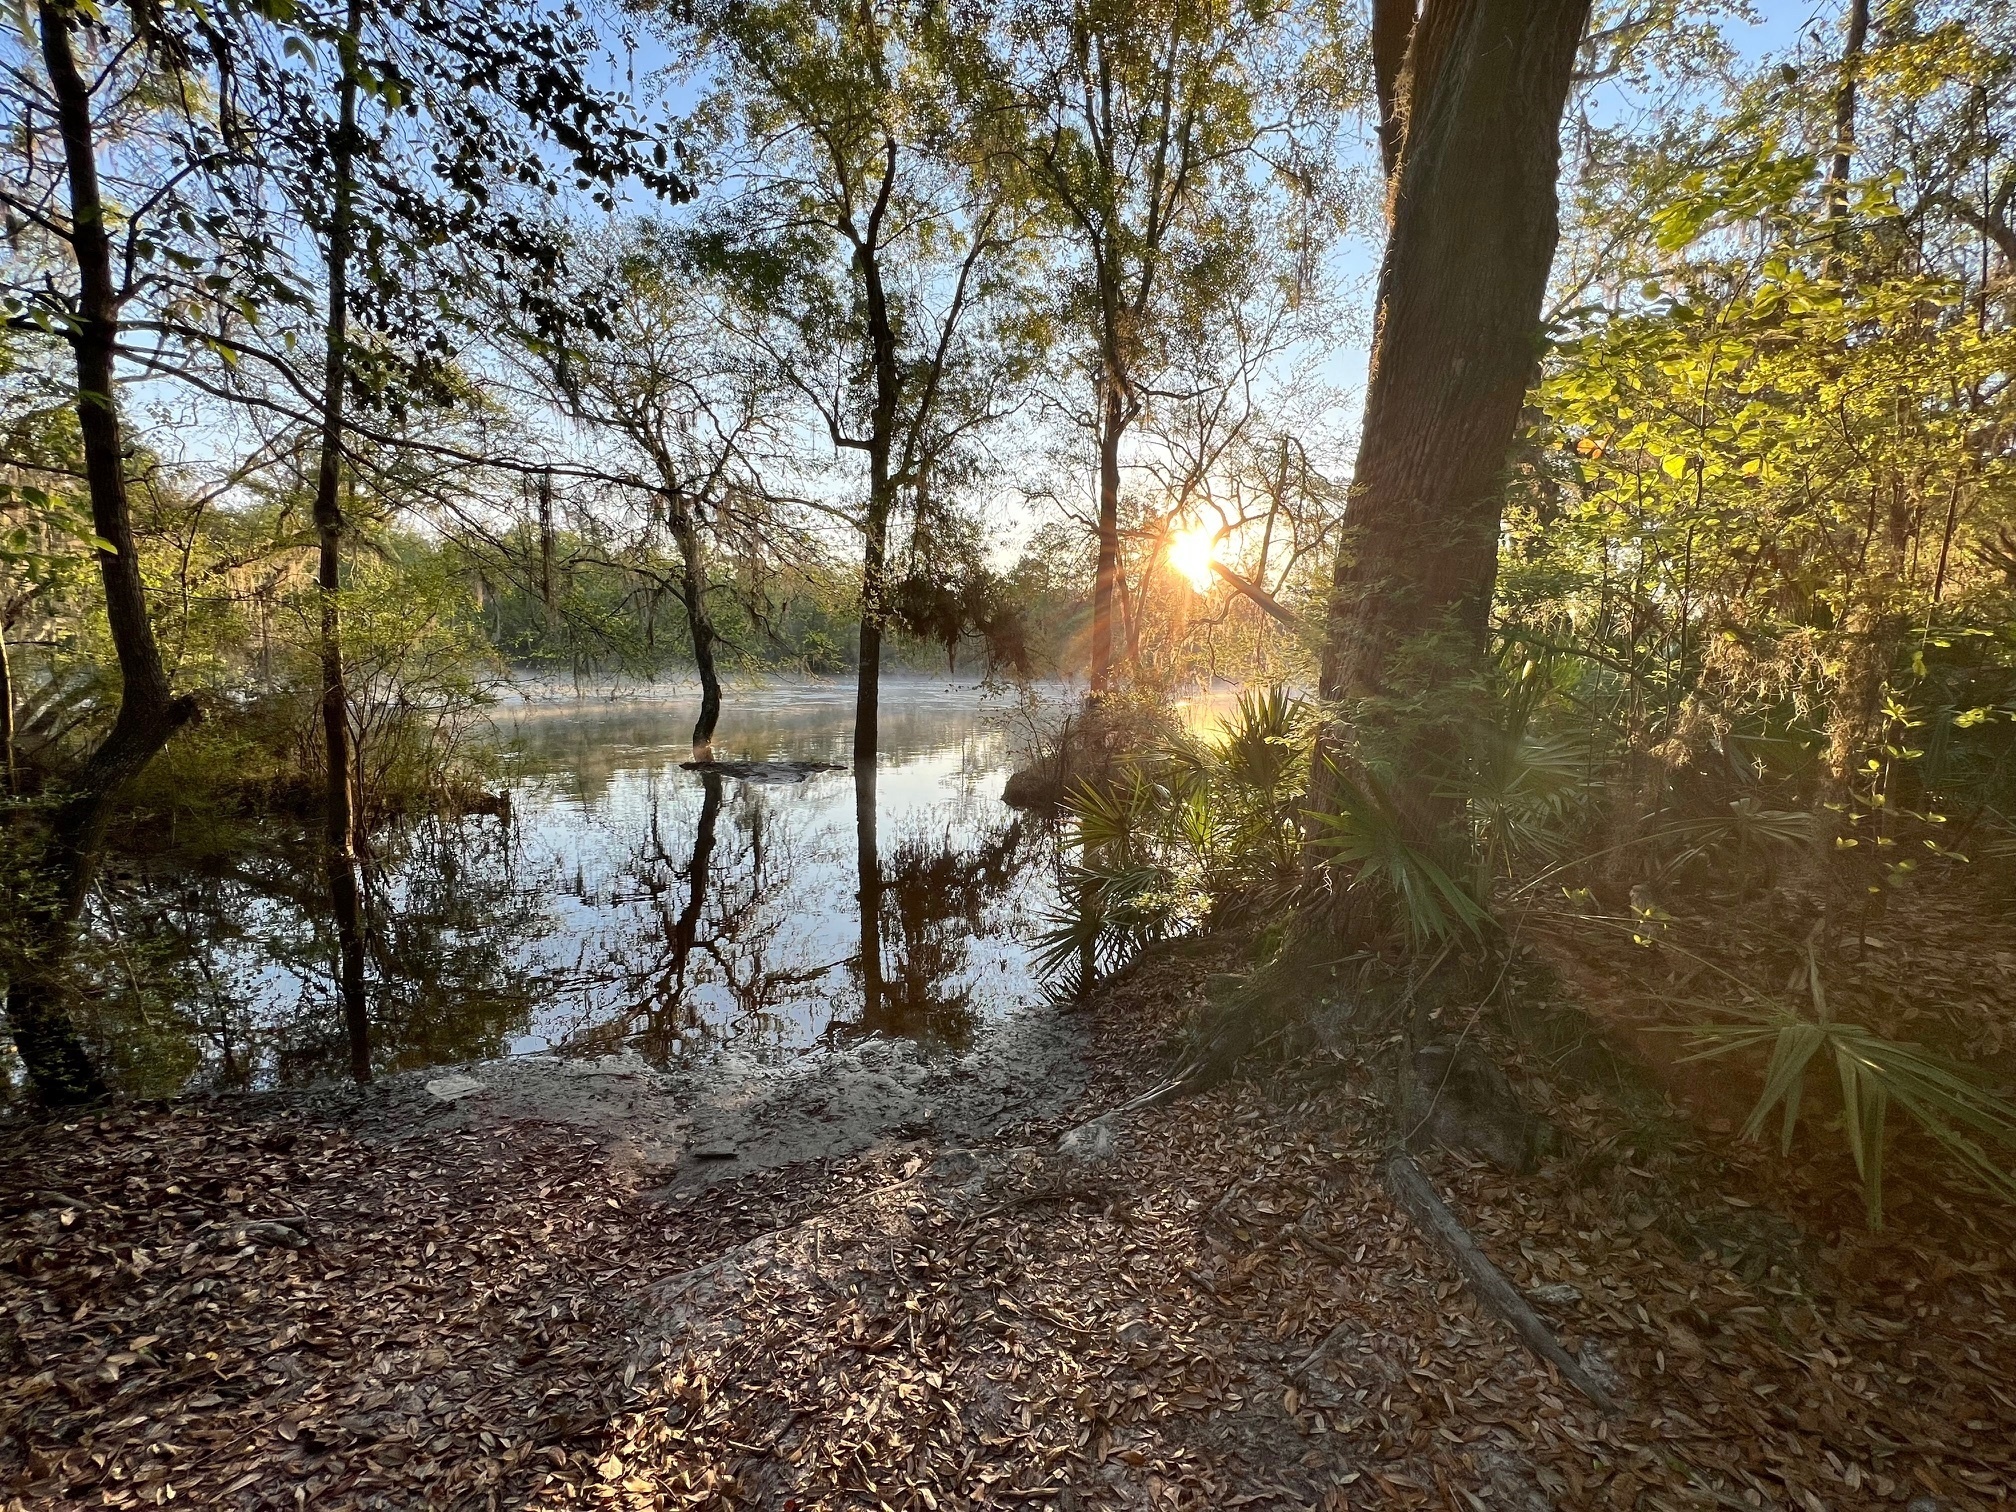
{"x": 874, "y": 571}
{"x": 1871, "y": 629}
{"x": 699, "y": 623}
{"x": 6, "y": 711}
{"x": 149, "y": 714}
{"x": 881, "y": 491}
{"x": 546, "y": 548}
{"x": 1473, "y": 233}
{"x": 1106, "y": 582}
{"x": 339, "y": 801}
{"x": 1844, "y": 109}
{"x": 868, "y": 866}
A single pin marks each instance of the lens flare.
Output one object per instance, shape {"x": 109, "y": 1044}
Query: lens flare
{"x": 1191, "y": 552}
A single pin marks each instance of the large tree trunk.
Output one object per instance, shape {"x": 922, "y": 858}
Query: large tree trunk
{"x": 1474, "y": 225}
{"x": 339, "y": 793}
{"x": 1392, "y": 29}
{"x": 149, "y": 714}
{"x": 699, "y": 622}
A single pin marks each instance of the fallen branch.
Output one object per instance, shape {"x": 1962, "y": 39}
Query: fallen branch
{"x": 1324, "y": 1345}
{"x": 1411, "y": 1190}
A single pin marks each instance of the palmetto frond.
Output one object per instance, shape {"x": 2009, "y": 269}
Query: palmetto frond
{"x": 1365, "y": 835}
{"x": 1942, "y": 1097}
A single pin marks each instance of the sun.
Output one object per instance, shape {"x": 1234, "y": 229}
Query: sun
{"x": 1191, "y": 552}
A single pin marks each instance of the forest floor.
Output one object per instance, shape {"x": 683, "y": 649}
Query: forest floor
{"x": 282, "y": 1303}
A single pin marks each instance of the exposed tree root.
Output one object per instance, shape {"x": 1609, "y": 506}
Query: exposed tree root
{"x": 1417, "y": 1198}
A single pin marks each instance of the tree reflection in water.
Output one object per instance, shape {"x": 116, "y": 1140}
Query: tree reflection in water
{"x": 625, "y": 903}
{"x": 919, "y": 914}
{"x": 219, "y": 973}
{"x": 727, "y": 951}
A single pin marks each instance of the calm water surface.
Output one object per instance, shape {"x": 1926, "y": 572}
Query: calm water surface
{"x": 628, "y": 902}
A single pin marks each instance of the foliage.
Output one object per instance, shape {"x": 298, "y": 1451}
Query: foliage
{"x": 1945, "y": 1099}
{"x": 1365, "y": 834}
{"x": 1186, "y": 828}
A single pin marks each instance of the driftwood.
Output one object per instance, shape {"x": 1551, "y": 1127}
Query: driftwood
{"x": 1411, "y": 1190}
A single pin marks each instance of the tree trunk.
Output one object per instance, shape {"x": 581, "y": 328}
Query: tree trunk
{"x": 1392, "y": 28}
{"x": 148, "y": 714}
{"x": 868, "y": 865}
{"x": 339, "y": 800}
{"x": 1871, "y": 627}
{"x": 699, "y": 623}
{"x": 546, "y": 550}
{"x": 874, "y": 571}
{"x": 1844, "y": 109}
{"x": 1106, "y": 584}
{"x": 881, "y": 444}
{"x": 6, "y": 713}
{"x": 1474, "y": 227}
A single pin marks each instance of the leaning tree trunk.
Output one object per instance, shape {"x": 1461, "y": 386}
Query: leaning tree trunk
{"x": 149, "y": 713}
{"x": 881, "y": 446}
{"x": 339, "y": 792}
{"x": 699, "y": 622}
{"x": 1474, "y": 225}
{"x": 1392, "y": 29}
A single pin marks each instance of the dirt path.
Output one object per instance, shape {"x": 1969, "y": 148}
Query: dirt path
{"x": 255, "y": 1307}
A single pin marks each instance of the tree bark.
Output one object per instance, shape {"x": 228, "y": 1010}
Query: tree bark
{"x": 1844, "y": 109}
{"x": 1392, "y": 28}
{"x": 148, "y": 714}
{"x": 339, "y": 800}
{"x": 1872, "y": 627}
{"x": 881, "y": 443}
{"x": 868, "y": 869}
{"x": 1474, "y": 228}
{"x": 6, "y": 713}
{"x": 1106, "y": 582}
{"x": 699, "y": 622}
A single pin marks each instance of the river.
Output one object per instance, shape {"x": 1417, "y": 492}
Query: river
{"x": 625, "y": 904}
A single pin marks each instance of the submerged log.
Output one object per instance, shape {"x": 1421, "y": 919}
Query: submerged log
{"x": 764, "y": 771}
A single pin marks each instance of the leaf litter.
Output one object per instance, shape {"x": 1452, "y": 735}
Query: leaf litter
{"x": 210, "y": 1305}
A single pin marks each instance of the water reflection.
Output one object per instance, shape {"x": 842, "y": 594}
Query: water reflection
{"x": 625, "y": 902}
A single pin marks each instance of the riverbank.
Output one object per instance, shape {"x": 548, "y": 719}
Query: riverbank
{"x": 339, "y": 1303}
